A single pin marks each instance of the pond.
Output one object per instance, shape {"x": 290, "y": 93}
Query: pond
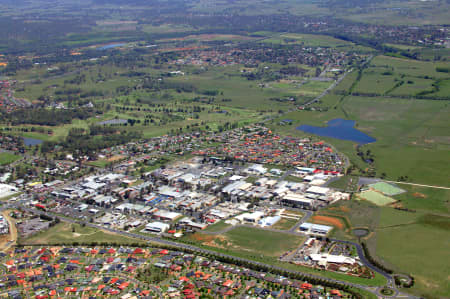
{"x": 340, "y": 129}
{"x": 110, "y": 46}
{"x": 31, "y": 141}
{"x": 360, "y": 232}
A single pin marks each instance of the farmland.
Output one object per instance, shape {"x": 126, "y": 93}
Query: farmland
{"x": 409, "y": 143}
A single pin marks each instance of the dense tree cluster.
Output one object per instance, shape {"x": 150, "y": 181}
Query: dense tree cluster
{"x": 86, "y": 143}
{"x": 47, "y": 117}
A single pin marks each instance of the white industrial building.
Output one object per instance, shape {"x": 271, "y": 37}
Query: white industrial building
{"x": 312, "y": 228}
{"x": 324, "y": 259}
{"x": 166, "y": 215}
{"x": 320, "y": 191}
{"x": 250, "y": 217}
{"x": 7, "y": 190}
{"x": 157, "y": 227}
{"x": 256, "y": 169}
{"x": 269, "y": 221}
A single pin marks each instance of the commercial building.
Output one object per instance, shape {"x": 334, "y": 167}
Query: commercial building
{"x": 312, "y": 228}
{"x": 269, "y": 221}
{"x": 320, "y": 191}
{"x": 324, "y": 259}
{"x": 297, "y": 200}
{"x": 166, "y": 215}
{"x": 157, "y": 227}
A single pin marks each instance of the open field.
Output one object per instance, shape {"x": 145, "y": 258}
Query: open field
{"x": 413, "y": 86}
{"x": 425, "y": 199}
{"x": 285, "y": 224}
{"x": 401, "y": 77}
{"x": 62, "y": 233}
{"x": 403, "y": 66}
{"x": 251, "y": 241}
{"x": 425, "y": 258}
{"x": 7, "y": 158}
{"x": 402, "y": 47}
{"x": 217, "y": 227}
{"x": 306, "y": 39}
{"x": 375, "y": 83}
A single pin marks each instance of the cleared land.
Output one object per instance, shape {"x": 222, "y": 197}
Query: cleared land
{"x": 66, "y": 233}
{"x": 327, "y": 220}
{"x": 217, "y": 227}
{"x": 285, "y": 224}
{"x": 425, "y": 199}
{"x": 251, "y": 241}
{"x": 8, "y": 240}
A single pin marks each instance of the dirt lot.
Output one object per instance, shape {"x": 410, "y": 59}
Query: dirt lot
{"x": 7, "y": 241}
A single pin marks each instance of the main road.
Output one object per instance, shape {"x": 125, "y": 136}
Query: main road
{"x": 198, "y": 249}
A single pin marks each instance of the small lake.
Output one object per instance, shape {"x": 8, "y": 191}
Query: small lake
{"x": 340, "y": 129}
{"x": 31, "y": 141}
{"x": 110, "y": 46}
